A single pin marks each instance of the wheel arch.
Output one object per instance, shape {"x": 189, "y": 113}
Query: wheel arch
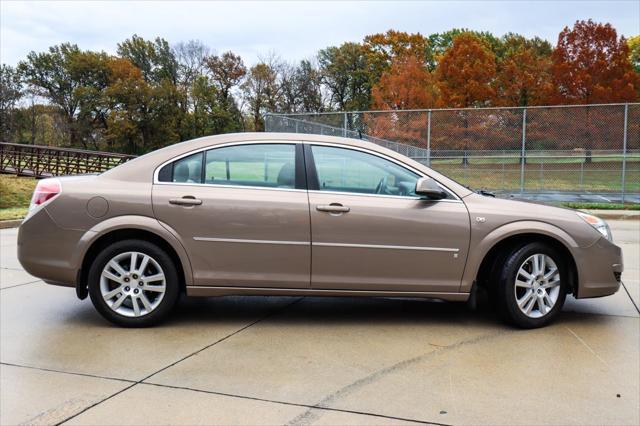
{"x": 506, "y": 238}
{"x": 133, "y": 227}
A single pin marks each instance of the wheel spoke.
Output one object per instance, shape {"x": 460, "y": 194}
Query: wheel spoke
{"x": 143, "y": 265}
{"x": 529, "y": 307}
{"x": 113, "y": 293}
{"x": 548, "y": 300}
{"x": 552, "y": 273}
{"x": 116, "y": 267}
{"x": 552, "y": 284}
{"x": 541, "y": 306}
{"x": 112, "y": 277}
{"x": 152, "y": 278}
{"x": 118, "y": 302}
{"x": 154, "y": 288}
{"x": 136, "y": 307}
{"x": 528, "y": 295}
{"x": 524, "y": 284}
{"x": 133, "y": 261}
{"x": 525, "y": 274}
{"x": 145, "y": 302}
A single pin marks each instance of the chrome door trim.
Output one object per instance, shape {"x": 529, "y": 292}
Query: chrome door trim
{"x": 216, "y": 185}
{"x": 395, "y": 197}
{"x": 238, "y": 240}
{"x": 387, "y": 247}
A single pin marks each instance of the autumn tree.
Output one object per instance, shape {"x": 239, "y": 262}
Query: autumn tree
{"x": 524, "y": 75}
{"x": 227, "y": 70}
{"x": 466, "y": 73}
{"x": 406, "y": 85}
{"x": 439, "y": 43}
{"x": 591, "y": 65}
{"x": 383, "y": 49}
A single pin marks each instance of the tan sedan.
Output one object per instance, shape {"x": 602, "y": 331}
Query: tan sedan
{"x": 291, "y": 214}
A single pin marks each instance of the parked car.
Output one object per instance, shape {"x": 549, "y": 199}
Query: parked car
{"x": 292, "y": 214}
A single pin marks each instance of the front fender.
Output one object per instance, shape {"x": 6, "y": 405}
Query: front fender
{"x": 480, "y": 248}
{"x": 143, "y": 223}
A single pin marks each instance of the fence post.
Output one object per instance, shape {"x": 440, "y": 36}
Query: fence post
{"x": 429, "y": 138}
{"x": 522, "y": 151}
{"x": 344, "y": 130}
{"x": 624, "y": 149}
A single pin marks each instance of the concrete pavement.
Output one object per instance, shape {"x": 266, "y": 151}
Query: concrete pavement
{"x": 257, "y": 360}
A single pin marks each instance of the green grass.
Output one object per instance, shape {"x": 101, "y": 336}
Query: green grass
{"x": 13, "y": 213}
{"x": 601, "y": 206}
{"x": 15, "y": 196}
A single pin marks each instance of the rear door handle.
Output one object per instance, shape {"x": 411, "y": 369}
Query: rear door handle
{"x": 332, "y": 208}
{"x": 185, "y": 201}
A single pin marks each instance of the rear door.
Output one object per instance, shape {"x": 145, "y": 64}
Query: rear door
{"x": 242, "y": 213}
{"x": 371, "y": 232}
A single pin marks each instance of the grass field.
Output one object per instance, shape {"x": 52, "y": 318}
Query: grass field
{"x": 15, "y": 196}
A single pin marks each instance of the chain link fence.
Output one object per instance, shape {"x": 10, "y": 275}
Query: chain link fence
{"x": 586, "y": 152}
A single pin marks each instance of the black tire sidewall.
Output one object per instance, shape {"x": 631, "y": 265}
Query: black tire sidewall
{"x": 171, "y": 278}
{"x": 506, "y": 291}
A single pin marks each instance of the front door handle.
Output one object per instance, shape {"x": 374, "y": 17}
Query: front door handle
{"x": 332, "y": 208}
{"x": 187, "y": 200}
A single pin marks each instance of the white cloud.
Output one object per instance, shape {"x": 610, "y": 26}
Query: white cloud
{"x": 293, "y": 29}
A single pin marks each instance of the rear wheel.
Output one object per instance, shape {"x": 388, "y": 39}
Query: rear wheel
{"x": 133, "y": 283}
{"x": 532, "y": 285}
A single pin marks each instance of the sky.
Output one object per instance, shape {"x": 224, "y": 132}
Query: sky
{"x": 294, "y": 30}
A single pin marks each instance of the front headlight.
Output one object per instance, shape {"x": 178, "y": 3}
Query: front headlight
{"x": 599, "y": 224}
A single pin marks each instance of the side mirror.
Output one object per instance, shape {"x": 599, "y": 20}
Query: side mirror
{"x": 429, "y": 188}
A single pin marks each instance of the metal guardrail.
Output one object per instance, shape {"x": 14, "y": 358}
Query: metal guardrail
{"x": 46, "y": 161}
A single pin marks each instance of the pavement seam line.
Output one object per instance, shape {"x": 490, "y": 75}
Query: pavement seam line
{"x": 222, "y": 339}
{"x": 20, "y": 285}
{"x": 294, "y": 404}
{"x": 50, "y": 370}
{"x": 629, "y": 295}
{"x": 274, "y": 312}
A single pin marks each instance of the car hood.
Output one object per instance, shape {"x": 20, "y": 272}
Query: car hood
{"x": 497, "y": 212}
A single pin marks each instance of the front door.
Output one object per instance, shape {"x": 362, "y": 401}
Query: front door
{"x": 371, "y": 232}
{"x": 242, "y": 213}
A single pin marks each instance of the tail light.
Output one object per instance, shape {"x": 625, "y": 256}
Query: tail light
{"x": 46, "y": 190}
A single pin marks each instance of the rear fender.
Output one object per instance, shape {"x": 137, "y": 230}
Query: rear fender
{"x": 142, "y": 223}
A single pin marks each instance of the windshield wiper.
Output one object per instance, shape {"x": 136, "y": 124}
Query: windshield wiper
{"x": 486, "y": 193}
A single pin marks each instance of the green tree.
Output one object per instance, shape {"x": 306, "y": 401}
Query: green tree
{"x": 71, "y": 80}
{"x": 11, "y": 92}
{"x": 261, "y": 93}
{"x": 347, "y": 74}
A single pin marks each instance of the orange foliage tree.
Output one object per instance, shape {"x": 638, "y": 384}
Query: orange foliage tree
{"x": 591, "y": 65}
{"x": 524, "y": 78}
{"x": 405, "y": 85}
{"x": 466, "y": 73}
{"x": 383, "y": 49}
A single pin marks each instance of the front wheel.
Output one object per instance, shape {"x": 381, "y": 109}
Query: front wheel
{"x": 532, "y": 285}
{"x": 133, "y": 283}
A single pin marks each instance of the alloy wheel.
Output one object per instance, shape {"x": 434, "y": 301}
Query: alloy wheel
{"x": 132, "y": 284}
{"x": 537, "y": 285}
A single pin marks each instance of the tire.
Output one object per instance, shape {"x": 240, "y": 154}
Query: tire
{"x": 525, "y": 297}
{"x": 141, "y": 297}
